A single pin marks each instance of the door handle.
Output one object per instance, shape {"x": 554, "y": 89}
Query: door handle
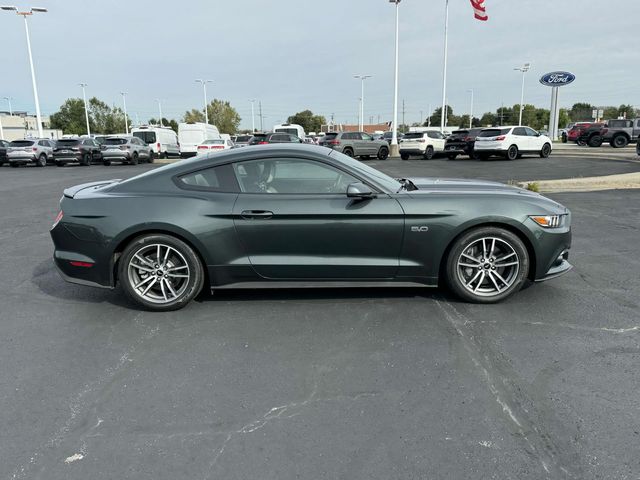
{"x": 256, "y": 214}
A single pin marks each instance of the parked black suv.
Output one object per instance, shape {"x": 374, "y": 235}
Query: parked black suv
{"x": 76, "y": 150}
{"x": 461, "y": 142}
{"x": 276, "y": 137}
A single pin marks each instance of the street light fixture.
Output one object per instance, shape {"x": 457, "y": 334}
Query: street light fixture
{"x": 204, "y": 88}
{"x": 33, "y": 74}
{"x": 362, "y": 78}
{"x": 124, "y": 103}
{"x": 524, "y": 69}
{"x": 8, "y": 99}
{"x": 86, "y": 109}
{"x": 394, "y": 135}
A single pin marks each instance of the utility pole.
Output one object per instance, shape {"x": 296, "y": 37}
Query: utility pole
{"x": 124, "y": 103}
{"x": 160, "y": 109}
{"x": 404, "y": 125}
{"x": 501, "y": 110}
{"x": 253, "y": 116}
{"x": 86, "y": 109}
{"x": 261, "y": 123}
{"x": 429, "y": 119}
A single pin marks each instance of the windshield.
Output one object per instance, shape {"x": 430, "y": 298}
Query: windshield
{"x": 383, "y": 180}
{"x": 494, "y": 132}
{"x": 115, "y": 141}
{"x": 146, "y": 137}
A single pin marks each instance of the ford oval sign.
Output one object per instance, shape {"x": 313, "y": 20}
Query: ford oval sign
{"x": 557, "y": 79}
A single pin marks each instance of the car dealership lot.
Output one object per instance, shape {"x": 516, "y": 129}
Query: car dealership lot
{"x": 402, "y": 383}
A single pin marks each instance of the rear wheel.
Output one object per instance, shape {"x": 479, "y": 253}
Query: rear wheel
{"x": 14, "y": 164}
{"x": 595, "y": 141}
{"x": 546, "y": 151}
{"x": 106, "y": 163}
{"x": 452, "y": 156}
{"x": 487, "y": 265}
{"x": 59, "y": 164}
{"x": 619, "y": 141}
{"x": 512, "y": 153}
{"x": 482, "y": 156}
{"x": 86, "y": 160}
{"x": 348, "y": 152}
{"x": 160, "y": 272}
{"x": 42, "y": 161}
{"x": 134, "y": 158}
{"x": 151, "y": 157}
{"x": 383, "y": 153}
{"x": 404, "y": 156}
{"x": 428, "y": 153}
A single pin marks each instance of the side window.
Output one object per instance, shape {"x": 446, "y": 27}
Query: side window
{"x": 520, "y": 131}
{"x": 531, "y": 132}
{"x": 290, "y": 176}
{"x": 366, "y": 136}
{"x": 220, "y": 179}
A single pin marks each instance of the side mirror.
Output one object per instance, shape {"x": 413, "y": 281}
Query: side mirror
{"x": 359, "y": 190}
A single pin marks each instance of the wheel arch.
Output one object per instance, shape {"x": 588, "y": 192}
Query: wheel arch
{"x": 504, "y": 224}
{"x": 130, "y": 234}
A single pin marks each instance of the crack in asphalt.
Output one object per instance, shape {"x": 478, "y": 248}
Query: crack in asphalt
{"x": 505, "y": 391}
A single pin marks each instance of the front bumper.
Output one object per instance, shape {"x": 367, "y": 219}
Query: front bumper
{"x": 558, "y": 268}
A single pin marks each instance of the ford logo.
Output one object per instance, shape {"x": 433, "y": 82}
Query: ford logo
{"x": 557, "y": 79}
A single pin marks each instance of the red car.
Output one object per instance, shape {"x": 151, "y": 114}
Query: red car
{"x": 579, "y": 128}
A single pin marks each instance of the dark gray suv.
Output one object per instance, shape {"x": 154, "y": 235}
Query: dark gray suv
{"x": 356, "y": 144}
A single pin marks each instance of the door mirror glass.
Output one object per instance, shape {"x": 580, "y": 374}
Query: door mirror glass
{"x": 359, "y": 190}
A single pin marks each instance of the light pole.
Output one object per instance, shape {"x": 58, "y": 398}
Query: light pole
{"x": 394, "y": 135}
{"x": 160, "y": 109}
{"x": 471, "y": 109}
{"x": 204, "y": 88}
{"x": 524, "y": 69}
{"x": 33, "y": 74}
{"x": 8, "y": 99}
{"x": 362, "y": 78}
{"x": 86, "y": 109}
{"x": 253, "y": 116}
{"x": 124, "y": 103}
{"x": 443, "y": 113}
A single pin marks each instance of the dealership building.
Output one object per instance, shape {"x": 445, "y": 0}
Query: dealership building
{"x": 21, "y": 125}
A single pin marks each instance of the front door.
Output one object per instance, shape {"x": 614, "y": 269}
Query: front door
{"x": 295, "y": 221}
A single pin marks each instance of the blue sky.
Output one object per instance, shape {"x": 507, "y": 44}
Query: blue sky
{"x": 298, "y": 54}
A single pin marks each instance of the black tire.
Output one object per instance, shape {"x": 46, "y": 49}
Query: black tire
{"x": 151, "y": 157}
{"x": 546, "y": 151}
{"x": 404, "y": 156}
{"x": 41, "y": 161}
{"x": 86, "y": 160}
{"x": 619, "y": 141}
{"x": 59, "y": 164}
{"x": 106, "y": 163}
{"x": 187, "y": 291}
{"x": 452, "y": 156}
{"x": 428, "y": 153}
{"x": 383, "y": 153}
{"x": 595, "y": 141}
{"x": 456, "y": 275}
{"x": 512, "y": 153}
{"x": 348, "y": 152}
{"x": 134, "y": 159}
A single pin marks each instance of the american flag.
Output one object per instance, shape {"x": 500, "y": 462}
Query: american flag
{"x": 479, "y": 10}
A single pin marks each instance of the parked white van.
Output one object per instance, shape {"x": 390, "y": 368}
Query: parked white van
{"x": 162, "y": 140}
{"x": 190, "y": 135}
{"x": 290, "y": 128}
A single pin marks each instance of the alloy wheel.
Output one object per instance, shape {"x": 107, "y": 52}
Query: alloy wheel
{"x": 158, "y": 273}
{"x": 488, "y": 266}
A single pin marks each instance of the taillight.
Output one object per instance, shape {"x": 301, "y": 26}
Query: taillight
{"x": 263, "y": 143}
{"x": 500, "y": 138}
{"x": 34, "y": 149}
{"x": 468, "y": 139}
{"x": 217, "y": 147}
{"x": 123, "y": 147}
{"x": 158, "y": 145}
{"x": 334, "y": 142}
{"x": 81, "y": 264}
{"x": 57, "y": 219}
{"x": 421, "y": 140}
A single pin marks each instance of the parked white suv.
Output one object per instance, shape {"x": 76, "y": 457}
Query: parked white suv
{"x": 511, "y": 143}
{"x": 38, "y": 151}
{"x": 425, "y": 144}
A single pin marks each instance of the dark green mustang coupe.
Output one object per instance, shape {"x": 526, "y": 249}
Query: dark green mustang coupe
{"x": 301, "y": 216}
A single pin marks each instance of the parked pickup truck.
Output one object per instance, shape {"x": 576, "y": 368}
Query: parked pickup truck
{"x": 619, "y": 133}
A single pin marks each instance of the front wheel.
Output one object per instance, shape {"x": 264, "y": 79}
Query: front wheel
{"x": 42, "y": 161}
{"x": 134, "y": 158}
{"x": 546, "y": 151}
{"x": 86, "y": 160}
{"x": 383, "y": 153}
{"x": 160, "y": 272}
{"x": 151, "y": 157}
{"x": 487, "y": 265}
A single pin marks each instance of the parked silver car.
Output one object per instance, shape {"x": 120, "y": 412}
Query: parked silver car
{"x": 126, "y": 150}
{"x": 37, "y": 151}
{"x": 356, "y": 144}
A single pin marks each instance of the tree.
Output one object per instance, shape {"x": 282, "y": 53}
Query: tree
{"x": 165, "y": 123}
{"x": 307, "y": 120}
{"x": 193, "y": 116}
{"x": 581, "y": 112}
{"x": 102, "y": 118}
{"x": 224, "y": 116}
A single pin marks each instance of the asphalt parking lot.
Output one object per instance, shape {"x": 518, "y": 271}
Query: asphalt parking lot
{"x": 350, "y": 384}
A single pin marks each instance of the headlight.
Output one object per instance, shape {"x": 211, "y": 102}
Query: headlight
{"x": 549, "y": 221}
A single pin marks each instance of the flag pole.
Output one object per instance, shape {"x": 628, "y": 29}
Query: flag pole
{"x": 444, "y": 67}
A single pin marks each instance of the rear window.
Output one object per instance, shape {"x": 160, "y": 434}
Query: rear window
{"x": 115, "y": 141}
{"x": 243, "y": 138}
{"x": 460, "y": 132}
{"x": 21, "y": 143}
{"x": 330, "y": 136}
{"x": 68, "y": 143}
{"x": 146, "y": 137}
{"x": 410, "y": 135}
{"x": 213, "y": 142}
{"x": 494, "y": 132}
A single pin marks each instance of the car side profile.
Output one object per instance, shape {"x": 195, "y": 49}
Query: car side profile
{"x": 511, "y": 143}
{"x": 356, "y": 144}
{"x": 302, "y": 216}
